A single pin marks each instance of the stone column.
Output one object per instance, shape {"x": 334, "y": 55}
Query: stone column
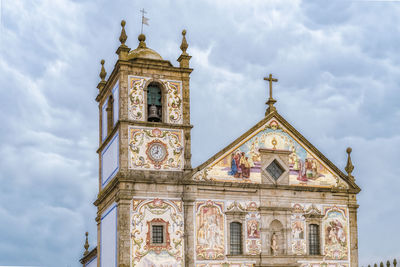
{"x": 353, "y": 235}
{"x": 98, "y": 221}
{"x": 265, "y": 233}
{"x": 188, "y": 204}
{"x": 123, "y": 230}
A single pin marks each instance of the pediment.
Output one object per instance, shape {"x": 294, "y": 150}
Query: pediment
{"x": 242, "y": 161}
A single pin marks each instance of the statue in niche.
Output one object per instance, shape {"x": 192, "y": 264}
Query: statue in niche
{"x": 274, "y": 244}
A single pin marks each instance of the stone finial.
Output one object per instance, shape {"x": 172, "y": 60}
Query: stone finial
{"x": 123, "y": 50}
{"x": 184, "y": 58}
{"x": 349, "y": 166}
{"x": 388, "y": 263}
{"x": 381, "y": 264}
{"x": 394, "y": 262}
{"x": 103, "y": 72}
{"x": 184, "y": 44}
{"x": 102, "y": 75}
{"x": 86, "y": 246}
{"x": 123, "y": 36}
{"x": 142, "y": 39}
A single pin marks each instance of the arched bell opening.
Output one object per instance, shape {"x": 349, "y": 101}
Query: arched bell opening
{"x": 154, "y": 103}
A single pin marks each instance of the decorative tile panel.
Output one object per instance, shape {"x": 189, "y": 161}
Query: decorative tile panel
{"x": 143, "y": 213}
{"x": 226, "y": 264}
{"x": 210, "y": 230}
{"x": 174, "y": 101}
{"x": 136, "y": 96}
{"x": 155, "y": 149}
{"x": 334, "y": 233}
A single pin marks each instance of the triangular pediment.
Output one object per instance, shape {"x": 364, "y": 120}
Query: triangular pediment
{"x": 241, "y": 161}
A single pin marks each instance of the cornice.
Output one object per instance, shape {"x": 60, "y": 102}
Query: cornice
{"x": 89, "y": 256}
{"x": 109, "y": 137}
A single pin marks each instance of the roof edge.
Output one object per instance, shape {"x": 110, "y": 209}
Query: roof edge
{"x": 292, "y": 130}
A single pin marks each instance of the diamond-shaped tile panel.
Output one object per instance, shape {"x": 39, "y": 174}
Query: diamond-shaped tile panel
{"x": 275, "y": 170}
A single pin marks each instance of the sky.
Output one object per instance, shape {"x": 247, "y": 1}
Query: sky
{"x": 338, "y": 65}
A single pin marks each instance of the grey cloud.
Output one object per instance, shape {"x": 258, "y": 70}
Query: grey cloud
{"x": 338, "y": 85}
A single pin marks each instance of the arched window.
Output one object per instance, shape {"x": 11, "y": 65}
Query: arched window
{"x": 314, "y": 239}
{"x": 154, "y": 103}
{"x": 236, "y": 238}
{"x": 110, "y": 117}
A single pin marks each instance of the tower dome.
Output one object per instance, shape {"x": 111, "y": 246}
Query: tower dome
{"x": 142, "y": 51}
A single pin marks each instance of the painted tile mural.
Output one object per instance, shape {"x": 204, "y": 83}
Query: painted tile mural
{"x": 324, "y": 264}
{"x": 174, "y": 101}
{"x": 298, "y": 226}
{"x": 167, "y": 212}
{"x": 226, "y": 264}
{"x": 334, "y": 239}
{"x": 243, "y": 162}
{"x": 253, "y": 237}
{"x": 335, "y": 231}
{"x": 211, "y": 219}
{"x": 155, "y": 149}
{"x": 210, "y": 230}
{"x": 136, "y": 95}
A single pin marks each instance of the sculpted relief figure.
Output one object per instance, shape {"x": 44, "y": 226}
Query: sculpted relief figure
{"x": 274, "y": 244}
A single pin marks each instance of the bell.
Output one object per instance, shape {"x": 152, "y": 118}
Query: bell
{"x": 154, "y": 114}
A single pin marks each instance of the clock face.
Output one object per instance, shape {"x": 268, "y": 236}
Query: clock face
{"x": 157, "y": 151}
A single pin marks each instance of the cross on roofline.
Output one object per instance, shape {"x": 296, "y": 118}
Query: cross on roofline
{"x": 270, "y": 79}
{"x": 271, "y": 101}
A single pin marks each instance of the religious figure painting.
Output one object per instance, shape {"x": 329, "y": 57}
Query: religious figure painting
{"x": 243, "y": 162}
{"x": 298, "y": 234}
{"x": 253, "y": 241}
{"x": 253, "y": 227}
{"x": 335, "y": 231}
{"x": 210, "y": 243}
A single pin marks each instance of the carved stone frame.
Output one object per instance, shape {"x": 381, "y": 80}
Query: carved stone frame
{"x": 267, "y": 157}
{"x": 164, "y": 93}
{"x": 235, "y": 216}
{"x": 312, "y": 218}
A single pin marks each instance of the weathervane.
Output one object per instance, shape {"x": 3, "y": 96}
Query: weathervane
{"x": 144, "y": 20}
{"x": 271, "y": 101}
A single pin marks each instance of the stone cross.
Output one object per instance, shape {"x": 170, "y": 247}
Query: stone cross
{"x": 270, "y": 79}
{"x": 271, "y": 101}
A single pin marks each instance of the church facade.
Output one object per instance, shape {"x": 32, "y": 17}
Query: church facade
{"x": 270, "y": 198}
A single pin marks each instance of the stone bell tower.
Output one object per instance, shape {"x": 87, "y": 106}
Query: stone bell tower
{"x": 144, "y": 141}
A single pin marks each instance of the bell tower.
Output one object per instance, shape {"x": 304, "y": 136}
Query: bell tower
{"x": 144, "y": 142}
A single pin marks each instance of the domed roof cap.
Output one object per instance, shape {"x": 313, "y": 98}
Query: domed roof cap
{"x": 142, "y": 51}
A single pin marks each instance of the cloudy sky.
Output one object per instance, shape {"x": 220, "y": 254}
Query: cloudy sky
{"x": 338, "y": 65}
